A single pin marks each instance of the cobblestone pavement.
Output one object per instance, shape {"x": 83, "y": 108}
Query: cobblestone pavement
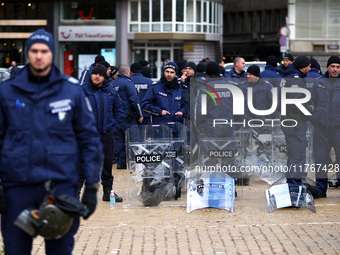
{"x": 168, "y": 229}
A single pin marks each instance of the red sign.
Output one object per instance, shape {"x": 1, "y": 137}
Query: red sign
{"x": 284, "y": 31}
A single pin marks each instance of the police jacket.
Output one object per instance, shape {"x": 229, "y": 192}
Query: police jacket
{"x": 160, "y": 97}
{"x": 296, "y": 79}
{"x": 271, "y": 75}
{"x": 282, "y": 70}
{"x": 326, "y": 100}
{"x": 218, "y": 106}
{"x": 311, "y": 77}
{"x": 86, "y": 75}
{"x": 128, "y": 94}
{"x": 233, "y": 74}
{"x": 143, "y": 84}
{"x": 46, "y": 129}
{"x": 262, "y": 96}
{"x": 106, "y": 105}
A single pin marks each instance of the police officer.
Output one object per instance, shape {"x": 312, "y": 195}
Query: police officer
{"x": 46, "y": 128}
{"x": 288, "y": 59}
{"x": 270, "y": 73}
{"x": 86, "y": 74}
{"x": 132, "y": 111}
{"x": 142, "y": 84}
{"x": 164, "y": 100}
{"x": 238, "y": 70}
{"x": 326, "y": 100}
{"x": 295, "y": 134}
{"x": 188, "y": 75}
{"x": 262, "y": 91}
{"x": 108, "y": 112}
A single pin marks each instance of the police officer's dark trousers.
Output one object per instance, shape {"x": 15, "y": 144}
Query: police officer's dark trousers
{"x": 323, "y": 141}
{"x": 19, "y": 198}
{"x": 296, "y": 150}
{"x": 107, "y": 141}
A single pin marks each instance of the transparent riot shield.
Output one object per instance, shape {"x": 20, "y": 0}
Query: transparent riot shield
{"x": 282, "y": 194}
{"x": 266, "y": 154}
{"x": 179, "y": 155}
{"x": 210, "y": 189}
{"x": 149, "y": 169}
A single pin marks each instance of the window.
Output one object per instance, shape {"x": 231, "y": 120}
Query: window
{"x": 23, "y": 10}
{"x": 192, "y": 16}
{"x": 89, "y": 10}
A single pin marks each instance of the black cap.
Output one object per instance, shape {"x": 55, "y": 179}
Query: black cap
{"x": 99, "y": 69}
{"x": 254, "y": 70}
{"x": 143, "y": 62}
{"x": 201, "y": 67}
{"x": 212, "y": 69}
{"x": 146, "y": 71}
{"x": 289, "y": 56}
{"x": 181, "y": 64}
{"x": 314, "y": 63}
{"x": 136, "y": 68}
{"x": 114, "y": 70}
{"x": 333, "y": 59}
{"x": 272, "y": 61}
{"x": 192, "y": 65}
{"x": 301, "y": 62}
{"x": 98, "y": 59}
{"x": 104, "y": 63}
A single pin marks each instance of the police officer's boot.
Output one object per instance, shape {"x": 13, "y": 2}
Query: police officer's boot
{"x": 106, "y": 193}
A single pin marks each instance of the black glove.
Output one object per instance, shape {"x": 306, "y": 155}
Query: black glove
{"x": 2, "y": 200}
{"x": 90, "y": 199}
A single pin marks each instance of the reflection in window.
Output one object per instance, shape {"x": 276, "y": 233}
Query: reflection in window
{"x": 167, "y": 10}
{"x": 180, "y": 10}
{"x": 145, "y": 10}
{"x": 190, "y": 11}
{"x": 134, "y": 11}
{"x": 156, "y": 10}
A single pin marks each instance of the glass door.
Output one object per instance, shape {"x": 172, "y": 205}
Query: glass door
{"x": 156, "y": 58}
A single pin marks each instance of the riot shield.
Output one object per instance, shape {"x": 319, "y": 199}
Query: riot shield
{"x": 149, "y": 169}
{"x": 179, "y": 154}
{"x": 210, "y": 189}
{"x": 281, "y": 195}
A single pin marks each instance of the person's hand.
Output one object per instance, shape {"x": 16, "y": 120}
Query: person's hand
{"x": 141, "y": 119}
{"x": 90, "y": 199}
{"x": 164, "y": 112}
{"x": 179, "y": 113}
{"x": 183, "y": 77}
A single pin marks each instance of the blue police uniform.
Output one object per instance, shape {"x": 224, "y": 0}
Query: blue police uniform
{"x": 312, "y": 75}
{"x": 326, "y": 119}
{"x": 233, "y": 74}
{"x": 86, "y": 75}
{"x": 46, "y": 128}
{"x": 296, "y": 140}
{"x": 132, "y": 110}
{"x": 262, "y": 97}
{"x": 160, "y": 97}
{"x": 108, "y": 113}
{"x": 282, "y": 70}
{"x": 143, "y": 84}
{"x": 271, "y": 75}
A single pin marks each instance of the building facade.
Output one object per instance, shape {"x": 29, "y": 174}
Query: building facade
{"x": 314, "y": 28}
{"x": 252, "y": 28}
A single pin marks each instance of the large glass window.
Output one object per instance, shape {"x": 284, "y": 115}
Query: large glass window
{"x": 23, "y": 10}
{"x": 192, "y": 16}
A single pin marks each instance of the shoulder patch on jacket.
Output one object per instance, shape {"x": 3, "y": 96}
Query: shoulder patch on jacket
{"x": 73, "y": 80}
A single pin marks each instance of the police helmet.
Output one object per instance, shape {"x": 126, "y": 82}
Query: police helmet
{"x": 49, "y": 222}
